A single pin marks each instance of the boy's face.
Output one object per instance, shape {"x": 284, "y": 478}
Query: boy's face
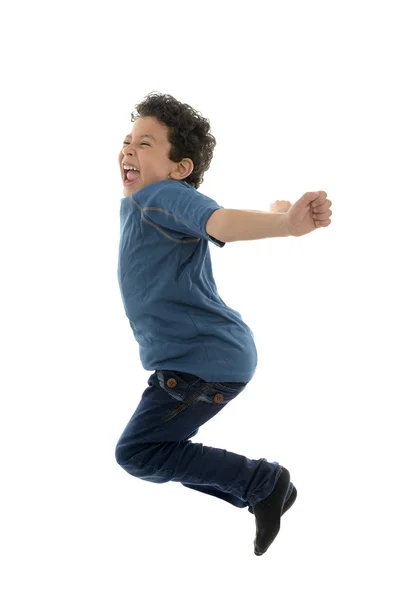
{"x": 147, "y": 149}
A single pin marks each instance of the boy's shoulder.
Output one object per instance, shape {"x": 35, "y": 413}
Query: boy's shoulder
{"x": 162, "y": 186}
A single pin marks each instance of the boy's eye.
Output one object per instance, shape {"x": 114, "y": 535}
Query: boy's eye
{"x": 142, "y": 144}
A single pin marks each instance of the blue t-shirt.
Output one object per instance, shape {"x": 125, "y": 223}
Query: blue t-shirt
{"x": 168, "y": 289}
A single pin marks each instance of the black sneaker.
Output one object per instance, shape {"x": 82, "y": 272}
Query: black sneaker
{"x": 288, "y": 503}
{"x": 268, "y": 514}
{"x": 291, "y": 500}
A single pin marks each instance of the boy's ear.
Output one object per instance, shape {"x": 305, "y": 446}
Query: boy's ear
{"x": 183, "y": 169}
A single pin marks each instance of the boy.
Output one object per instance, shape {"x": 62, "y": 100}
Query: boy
{"x": 202, "y": 353}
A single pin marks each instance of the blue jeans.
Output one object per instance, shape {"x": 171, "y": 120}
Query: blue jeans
{"x": 155, "y": 445}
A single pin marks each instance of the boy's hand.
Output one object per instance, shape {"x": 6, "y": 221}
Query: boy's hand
{"x": 280, "y": 206}
{"x": 309, "y": 213}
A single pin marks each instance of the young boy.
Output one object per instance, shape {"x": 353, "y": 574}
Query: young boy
{"x": 202, "y": 353}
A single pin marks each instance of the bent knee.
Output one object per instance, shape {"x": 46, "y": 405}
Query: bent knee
{"x": 126, "y": 456}
{"x": 123, "y": 455}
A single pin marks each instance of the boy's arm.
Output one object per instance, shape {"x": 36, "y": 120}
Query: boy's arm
{"x": 231, "y": 225}
{"x": 310, "y": 212}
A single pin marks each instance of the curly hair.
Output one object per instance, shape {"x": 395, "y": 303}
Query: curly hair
{"x": 188, "y": 132}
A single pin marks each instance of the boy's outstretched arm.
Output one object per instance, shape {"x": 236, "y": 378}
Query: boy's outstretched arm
{"x": 306, "y": 215}
{"x": 232, "y": 225}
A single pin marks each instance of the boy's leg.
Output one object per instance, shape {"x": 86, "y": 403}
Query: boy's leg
{"x": 155, "y": 445}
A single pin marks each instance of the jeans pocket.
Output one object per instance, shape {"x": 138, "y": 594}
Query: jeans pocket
{"x": 189, "y": 389}
{"x": 184, "y": 388}
{"x": 176, "y": 384}
{"x": 222, "y": 393}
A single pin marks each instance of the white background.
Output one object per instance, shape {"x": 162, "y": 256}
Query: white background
{"x": 301, "y": 96}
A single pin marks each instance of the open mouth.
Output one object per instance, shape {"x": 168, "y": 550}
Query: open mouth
{"x": 131, "y": 177}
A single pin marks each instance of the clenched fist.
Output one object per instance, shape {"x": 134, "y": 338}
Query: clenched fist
{"x": 309, "y": 213}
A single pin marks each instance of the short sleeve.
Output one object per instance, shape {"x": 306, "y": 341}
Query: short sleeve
{"x": 178, "y": 206}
